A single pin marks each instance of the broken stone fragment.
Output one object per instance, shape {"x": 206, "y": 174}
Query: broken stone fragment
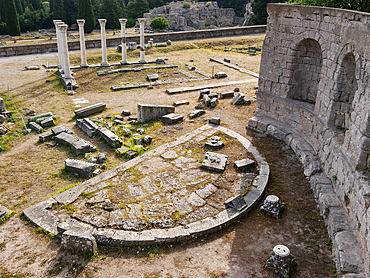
{"x": 3, "y": 130}
{"x": 206, "y": 100}
{"x": 126, "y": 131}
{"x": 196, "y": 113}
{"x": 244, "y": 164}
{"x": 147, "y": 139}
{"x": 59, "y": 129}
{"x": 118, "y": 117}
{"x": 78, "y": 241}
{"x": 35, "y": 127}
{"x": 46, "y": 137}
{"x": 130, "y": 154}
{"x": 160, "y": 61}
{"x": 272, "y": 206}
{"x": 215, "y": 120}
{"x": 102, "y": 158}
{"x": 281, "y": 261}
{"x": 77, "y": 144}
{"x": 31, "y": 67}
{"x": 152, "y": 77}
{"x": 122, "y": 150}
{"x": 110, "y": 137}
{"x": 172, "y": 118}
{"x": 214, "y": 143}
{"x": 49, "y": 121}
{"x": 199, "y": 106}
{"x": 2, "y": 119}
{"x": 88, "y": 126}
{"x": 238, "y": 99}
{"x": 126, "y": 113}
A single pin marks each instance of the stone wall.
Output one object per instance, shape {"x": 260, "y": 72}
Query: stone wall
{"x": 314, "y": 83}
{"x": 24, "y": 49}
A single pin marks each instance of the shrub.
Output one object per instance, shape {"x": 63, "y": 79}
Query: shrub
{"x": 186, "y": 5}
{"x": 159, "y": 23}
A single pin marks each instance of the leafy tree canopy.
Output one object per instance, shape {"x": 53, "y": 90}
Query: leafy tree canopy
{"x": 359, "y": 5}
{"x": 159, "y": 23}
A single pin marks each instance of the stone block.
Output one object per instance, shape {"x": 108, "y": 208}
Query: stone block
{"x": 196, "y": 113}
{"x": 92, "y": 109}
{"x": 152, "y": 77}
{"x": 48, "y": 121}
{"x": 111, "y": 138}
{"x": 206, "y": 100}
{"x": 215, "y": 120}
{"x": 80, "y": 167}
{"x": 130, "y": 154}
{"x": 148, "y": 112}
{"x": 122, "y": 150}
{"x": 346, "y": 253}
{"x": 46, "y": 137}
{"x": 213, "y": 95}
{"x": 77, "y": 144}
{"x": 203, "y": 92}
{"x": 34, "y": 118}
{"x": 35, "y": 127}
{"x": 213, "y": 102}
{"x": 172, "y": 118}
{"x": 214, "y": 162}
{"x": 88, "y": 126}
{"x": 238, "y": 99}
{"x": 79, "y": 241}
{"x": 220, "y": 75}
{"x": 181, "y": 102}
{"x": 59, "y": 129}
{"x": 229, "y": 94}
{"x": 214, "y": 143}
{"x": 244, "y": 164}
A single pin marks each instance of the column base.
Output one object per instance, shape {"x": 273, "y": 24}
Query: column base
{"x": 84, "y": 66}
{"x": 105, "y": 64}
{"x": 124, "y": 63}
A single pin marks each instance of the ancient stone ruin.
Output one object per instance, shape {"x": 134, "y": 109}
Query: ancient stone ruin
{"x": 314, "y": 95}
{"x": 200, "y": 15}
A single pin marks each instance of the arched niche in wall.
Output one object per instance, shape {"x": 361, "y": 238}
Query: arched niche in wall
{"x": 344, "y": 93}
{"x": 306, "y": 75}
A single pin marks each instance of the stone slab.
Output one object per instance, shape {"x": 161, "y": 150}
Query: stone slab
{"x": 71, "y": 224}
{"x": 88, "y": 126}
{"x": 214, "y": 162}
{"x": 35, "y": 127}
{"x": 207, "y": 191}
{"x": 244, "y": 164}
{"x": 111, "y": 138}
{"x": 181, "y": 102}
{"x": 92, "y": 109}
{"x": 80, "y": 167}
{"x": 196, "y": 113}
{"x": 77, "y": 144}
{"x": 59, "y": 129}
{"x": 172, "y": 118}
{"x": 34, "y": 118}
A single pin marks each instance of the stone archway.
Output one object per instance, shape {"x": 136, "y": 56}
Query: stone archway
{"x": 344, "y": 92}
{"x": 307, "y": 71}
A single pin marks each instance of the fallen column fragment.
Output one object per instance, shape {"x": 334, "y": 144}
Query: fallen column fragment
{"x": 77, "y": 144}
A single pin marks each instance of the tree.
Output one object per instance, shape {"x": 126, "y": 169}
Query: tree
{"x": 85, "y": 11}
{"x": 59, "y": 10}
{"x": 159, "y": 23}
{"x": 71, "y": 9}
{"x": 136, "y": 8}
{"x": 11, "y": 18}
{"x": 259, "y": 10}
{"x": 363, "y": 5}
{"x": 112, "y": 11}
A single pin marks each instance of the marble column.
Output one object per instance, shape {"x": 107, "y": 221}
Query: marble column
{"x": 57, "y": 33}
{"x": 142, "y": 41}
{"x": 81, "y": 23}
{"x": 123, "y": 21}
{"x": 64, "y": 49}
{"x": 104, "y": 62}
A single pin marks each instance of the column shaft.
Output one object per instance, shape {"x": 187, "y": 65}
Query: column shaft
{"x": 63, "y": 36}
{"x": 104, "y": 62}
{"x": 142, "y": 40}
{"x": 81, "y": 23}
{"x": 123, "y": 35}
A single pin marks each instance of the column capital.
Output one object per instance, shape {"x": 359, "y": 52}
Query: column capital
{"x": 122, "y": 21}
{"x": 56, "y": 21}
{"x": 141, "y": 20}
{"x": 80, "y": 22}
{"x": 63, "y": 28}
{"x": 102, "y": 22}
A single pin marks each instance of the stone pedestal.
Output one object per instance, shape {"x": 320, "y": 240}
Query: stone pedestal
{"x": 281, "y": 261}
{"x": 81, "y": 23}
{"x": 104, "y": 62}
{"x": 272, "y": 206}
{"x": 123, "y": 21}
{"x": 142, "y": 41}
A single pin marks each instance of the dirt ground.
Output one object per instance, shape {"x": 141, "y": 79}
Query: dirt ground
{"x": 30, "y": 172}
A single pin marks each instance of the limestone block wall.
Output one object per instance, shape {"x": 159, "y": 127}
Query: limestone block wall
{"x": 314, "y": 78}
{"x": 25, "y": 49}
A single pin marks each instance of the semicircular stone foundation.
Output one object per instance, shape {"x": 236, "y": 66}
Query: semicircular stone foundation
{"x": 162, "y": 196}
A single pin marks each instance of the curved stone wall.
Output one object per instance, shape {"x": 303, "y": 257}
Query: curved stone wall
{"x": 314, "y": 94}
